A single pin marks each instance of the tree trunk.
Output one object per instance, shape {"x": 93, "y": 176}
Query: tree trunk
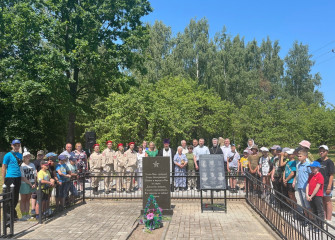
{"x": 73, "y": 108}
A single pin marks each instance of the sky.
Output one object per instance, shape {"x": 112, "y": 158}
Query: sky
{"x": 309, "y": 22}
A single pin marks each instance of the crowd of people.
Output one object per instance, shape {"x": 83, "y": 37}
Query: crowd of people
{"x": 287, "y": 170}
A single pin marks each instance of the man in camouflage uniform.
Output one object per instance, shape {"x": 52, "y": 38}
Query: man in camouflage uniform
{"x": 96, "y": 167}
{"x": 130, "y": 166}
{"x": 108, "y": 166}
{"x": 119, "y": 166}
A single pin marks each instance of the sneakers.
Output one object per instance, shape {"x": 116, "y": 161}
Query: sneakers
{"x": 33, "y": 212}
{"x": 24, "y": 218}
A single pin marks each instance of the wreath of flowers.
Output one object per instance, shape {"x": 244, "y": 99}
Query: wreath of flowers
{"x": 152, "y": 218}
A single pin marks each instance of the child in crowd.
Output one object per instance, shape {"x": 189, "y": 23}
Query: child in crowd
{"x": 63, "y": 175}
{"x": 51, "y": 158}
{"x": 265, "y": 168}
{"x": 46, "y": 185}
{"x": 327, "y": 170}
{"x": 244, "y": 166}
{"x": 37, "y": 163}
{"x": 28, "y": 184}
{"x": 277, "y": 173}
{"x": 289, "y": 174}
{"x": 314, "y": 191}
{"x": 301, "y": 179}
{"x": 74, "y": 175}
{"x": 232, "y": 166}
{"x": 191, "y": 181}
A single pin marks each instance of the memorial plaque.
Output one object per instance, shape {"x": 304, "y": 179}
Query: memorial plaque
{"x": 212, "y": 172}
{"x": 156, "y": 182}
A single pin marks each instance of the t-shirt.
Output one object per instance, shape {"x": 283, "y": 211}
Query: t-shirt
{"x": 253, "y": 160}
{"x": 327, "y": 169}
{"x": 44, "y": 175}
{"x": 152, "y": 153}
{"x": 290, "y": 167}
{"x": 64, "y": 169}
{"x": 244, "y": 162}
{"x": 190, "y": 158}
{"x": 313, "y": 180}
{"x": 72, "y": 168}
{"x": 37, "y": 164}
{"x": 235, "y": 156}
{"x": 265, "y": 165}
{"x": 303, "y": 174}
{"x": 13, "y": 168}
{"x": 29, "y": 172}
{"x": 278, "y": 170}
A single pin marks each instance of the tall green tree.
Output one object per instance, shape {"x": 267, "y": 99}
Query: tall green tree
{"x": 87, "y": 46}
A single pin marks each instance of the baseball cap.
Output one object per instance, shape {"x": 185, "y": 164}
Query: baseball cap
{"x": 40, "y": 152}
{"x": 62, "y": 157}
{"x": 325, "y": 147}
{"x": 74, "y": 159}
{"x": 279, "y": 149}
{"x": 254, "y": 147}
{"x": 15, "y": 141}
{"x": 315, "y": 164}
{"x": 285, "y": 149}
{"x": 305, "y": 143}
{"x": 274, "y": 147}
{"x": 290, "y": 151}
{"x": 50, "y": 154}
{"x": 264, "y": 149}
{"x": 246, "y": 151}
{"x": 43, "y": 162}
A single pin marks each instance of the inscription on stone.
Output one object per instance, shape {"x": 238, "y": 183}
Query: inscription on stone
{"x": 156, "y": 181}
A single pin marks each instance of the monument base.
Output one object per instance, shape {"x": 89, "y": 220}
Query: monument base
{"x": 166, "y": 212}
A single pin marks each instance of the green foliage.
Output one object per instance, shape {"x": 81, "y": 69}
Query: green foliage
{"x": 57, "y": 57}
{"x": 174, "y": 108}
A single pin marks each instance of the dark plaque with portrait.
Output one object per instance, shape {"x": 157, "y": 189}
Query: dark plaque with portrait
{"x": 212, "y": 172}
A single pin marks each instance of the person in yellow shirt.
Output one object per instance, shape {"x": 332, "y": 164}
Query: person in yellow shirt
{"x": 244, "y": 162}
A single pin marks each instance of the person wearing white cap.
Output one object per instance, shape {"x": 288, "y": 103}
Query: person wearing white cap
{"x": 327, "y": 170}
{"x": 289, "y": 174}
{"x": 28, "y": 184}
{"x": 265, "y": 168}
{"x": 11, "y": 172}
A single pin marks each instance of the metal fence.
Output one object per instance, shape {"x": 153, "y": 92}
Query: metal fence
{"x": 48, "y": 200}
{"x": 7, "y": 212}
{"x": 187, "y": 192}
{"x": 287, "y": 219}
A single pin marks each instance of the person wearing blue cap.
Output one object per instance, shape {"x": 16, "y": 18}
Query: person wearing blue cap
{"x": 11, "y": 172}
{"x": 314, "y": 191}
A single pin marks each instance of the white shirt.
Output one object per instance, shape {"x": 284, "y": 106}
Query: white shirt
{"x": 28, "y": 171}
{"x": 226, "y": 151}
{"x": 139, "y": 160}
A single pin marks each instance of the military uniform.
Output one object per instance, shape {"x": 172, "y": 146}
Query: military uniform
{"x": 96, "y": 169}
{"x": 108, "y": 168}
{"x": 119, "y": 166}
{"x": 131, "y": 165}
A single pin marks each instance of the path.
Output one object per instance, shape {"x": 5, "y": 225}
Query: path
{"x": 94, "y": 220}
{"x": 240, "y": 222}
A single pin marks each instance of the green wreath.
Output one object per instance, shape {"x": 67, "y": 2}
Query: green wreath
{"x": 152, "y": 217}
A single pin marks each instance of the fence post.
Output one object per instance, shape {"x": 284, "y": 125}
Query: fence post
{"x": 12, "y": 209}
{"x": 246, "y": 186}
{"x": 4, "y": 210}
{"x": 39, "y": 200}
{"x": 83, "y": 176}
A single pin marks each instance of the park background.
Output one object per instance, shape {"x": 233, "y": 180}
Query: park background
{"x": 68, "y": 67}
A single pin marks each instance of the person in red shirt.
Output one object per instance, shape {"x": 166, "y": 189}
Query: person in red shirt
{"x": 314, "y": 191}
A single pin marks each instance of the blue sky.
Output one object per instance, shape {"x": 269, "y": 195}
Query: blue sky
{"x": 309, "y": 22}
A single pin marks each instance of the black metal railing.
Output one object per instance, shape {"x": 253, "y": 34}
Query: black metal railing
{"x": 50, "y": 206}
{"x": 187, "y": 192}
{"x": 288, "y": 219}
{"x": 7, "y": 211}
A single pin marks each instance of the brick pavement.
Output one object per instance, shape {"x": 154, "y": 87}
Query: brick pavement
{"x": 240, "y": 222}
{"x": 94, "y": 220}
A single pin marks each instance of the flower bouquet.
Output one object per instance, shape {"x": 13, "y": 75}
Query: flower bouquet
{"x": 152, "y": 218}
